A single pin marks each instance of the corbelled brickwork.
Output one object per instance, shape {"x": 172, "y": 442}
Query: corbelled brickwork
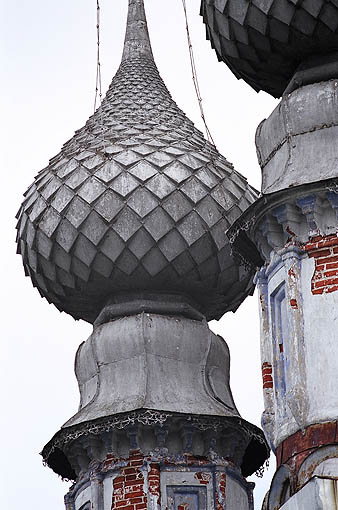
{"x": 324, "y": 249}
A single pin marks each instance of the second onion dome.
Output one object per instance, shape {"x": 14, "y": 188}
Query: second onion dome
{"x": 264, "y": 41}
{"x": 137, "y": 200}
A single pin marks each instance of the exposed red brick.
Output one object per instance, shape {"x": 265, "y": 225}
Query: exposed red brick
{"x": 314, "y": 437}
{"x": 291, "y": 272}
{"x": 296, "y": 448}
{"x": 314, "y": 239}
{"x": 267, "y": 375}
{"x": 324, "y": 249}
{"x": 325, "y": 252}
{"x": 331, "y": 289}
{"x": 333, "y": 272}
{"x": 268, "y": 385}
{"x": 332, "y": 265}
{"x": 129, "y": 471}
{"x": 329, "y": 260}
{"x": 267, "y": 378}
{"x": 326, "y": 282}
{"x": 136, "y": 452}
{"x": 293, "y": 303}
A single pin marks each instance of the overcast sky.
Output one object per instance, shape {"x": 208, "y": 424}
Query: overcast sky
{"x": 48, "y": 55}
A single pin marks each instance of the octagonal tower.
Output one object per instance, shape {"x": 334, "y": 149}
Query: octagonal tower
{"x": 289, "y": 48}
{"x": 125, "y": 229}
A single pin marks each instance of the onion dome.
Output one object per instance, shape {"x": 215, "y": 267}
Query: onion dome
{"x": 137, "y": 200}
{"x": 264, "y": 41}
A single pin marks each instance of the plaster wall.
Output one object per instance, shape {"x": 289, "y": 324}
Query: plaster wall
{"x": 299, "y": 333}
{"x": 321, "y": 353}
{"x": 108, "y": 492}
{"x": 236, "y": 496}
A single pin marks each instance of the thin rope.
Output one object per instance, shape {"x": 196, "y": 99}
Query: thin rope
{"x": 195, "y": 76}
{"x": 98, "y": 86}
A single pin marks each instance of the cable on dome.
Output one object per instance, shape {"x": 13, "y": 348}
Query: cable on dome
{"x": 194, "y": 75}
{"x": 98, "y": 86}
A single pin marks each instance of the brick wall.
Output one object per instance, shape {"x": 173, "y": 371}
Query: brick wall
{"x": 137, "y": 486}
{"x": 129, "y": 485}
{"x": 325, "y": 252}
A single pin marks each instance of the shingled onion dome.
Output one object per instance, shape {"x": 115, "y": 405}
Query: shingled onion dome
{"x": 136, "y": 200}
{"x": 264, "y": 41}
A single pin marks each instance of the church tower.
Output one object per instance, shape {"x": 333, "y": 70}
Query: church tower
{"x": 125, "y": 229}
{"x": 289, "y": 48}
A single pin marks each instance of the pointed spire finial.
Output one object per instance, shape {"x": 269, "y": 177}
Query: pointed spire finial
{"x": 137, "y": 41}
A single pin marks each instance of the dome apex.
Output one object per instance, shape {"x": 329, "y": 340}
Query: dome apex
{"x": 137, "y": 41}
{"x": 137, "y": 200}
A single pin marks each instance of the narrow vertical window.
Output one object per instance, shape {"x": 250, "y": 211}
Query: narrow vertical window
{"x": 279, "y": 334}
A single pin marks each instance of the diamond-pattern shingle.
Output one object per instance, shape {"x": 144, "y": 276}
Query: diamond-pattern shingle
{"x": 142, "y": 202}
{"x": 177, "y": 206}
{"x": 94, "y": 228}
{"x": 109, "y": 171}
{"x": 178, "y": 172}
{"x": 91, "y": 190}
{"x": 77, "y": 178}
{"x": 160, "y": 186}
{"x": 194, "y": 190}
{"x": 143, "y": 170}
{"x": 66, "y": 235}
{"x": 124, "y": 184}
{"x": 109, "y": 205}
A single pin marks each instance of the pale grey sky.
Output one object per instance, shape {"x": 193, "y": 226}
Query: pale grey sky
{"x": 48, "y": 55}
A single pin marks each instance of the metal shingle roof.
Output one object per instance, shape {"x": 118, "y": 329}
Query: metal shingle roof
{"x": 137, "y": 199}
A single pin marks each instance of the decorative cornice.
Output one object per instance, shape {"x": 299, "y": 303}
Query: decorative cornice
{"x": 68, "y": 443}
{"x": 293, "y": 215}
